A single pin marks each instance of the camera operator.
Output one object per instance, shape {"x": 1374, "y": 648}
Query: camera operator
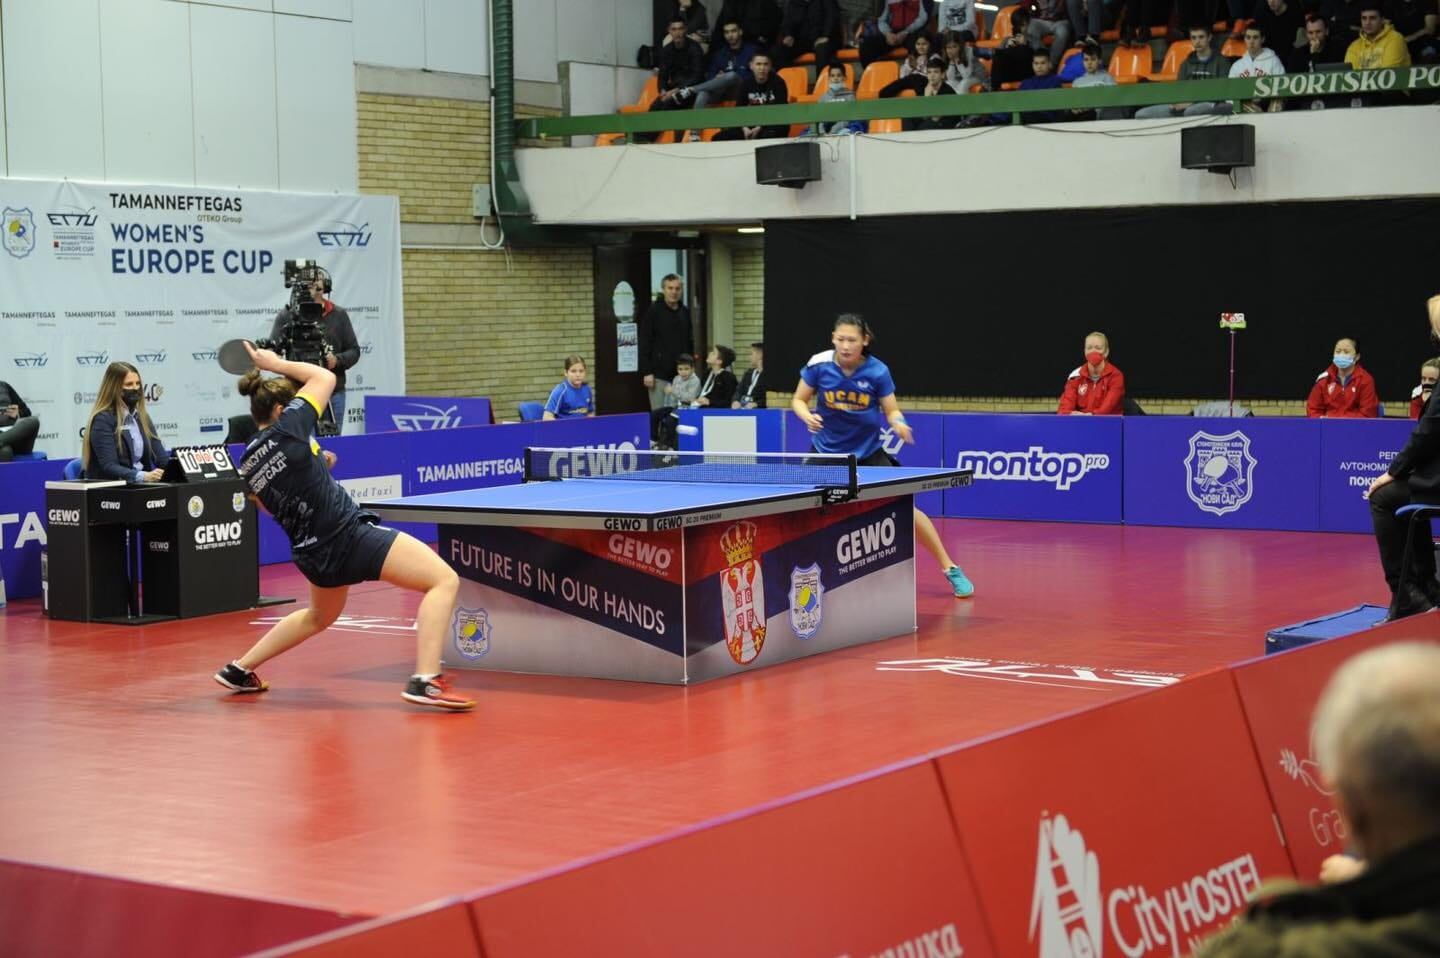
{"x": 342, "y": 350}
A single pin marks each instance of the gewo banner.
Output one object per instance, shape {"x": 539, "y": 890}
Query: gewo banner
{"x": 160, "y": 276}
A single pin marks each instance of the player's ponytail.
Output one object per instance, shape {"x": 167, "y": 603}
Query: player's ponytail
{"x": 265, "y": 394}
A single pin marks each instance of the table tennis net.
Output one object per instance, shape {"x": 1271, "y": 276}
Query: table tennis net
{"x": 656, "y": 465}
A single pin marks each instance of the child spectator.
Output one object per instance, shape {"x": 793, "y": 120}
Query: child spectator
{"x": 719, "y": 389}
{"x": 682, "y": 391}
{"x": 962, "y": 71}
{"x": 838, "y": 91}
{"x": 1420, "y": 395}
{"x": 935, "y": 85}
{"x": 1344, "y": 390}
{"x": 750, "y": 394}
{"x": 571, "y": 399}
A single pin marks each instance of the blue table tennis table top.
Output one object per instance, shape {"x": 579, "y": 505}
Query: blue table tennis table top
{"x": 645, "y": 504}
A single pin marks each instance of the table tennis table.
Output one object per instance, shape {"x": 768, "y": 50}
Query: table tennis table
{"x": 674, "y": 569}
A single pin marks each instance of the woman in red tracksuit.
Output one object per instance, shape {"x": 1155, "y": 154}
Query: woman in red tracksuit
{"x": 1420, "y": 395}
{"x": 1096, "y": 388}
{"x": 1344, "y": 390}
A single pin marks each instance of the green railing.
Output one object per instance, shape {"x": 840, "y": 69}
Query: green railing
{"x": 1373, "y": 83}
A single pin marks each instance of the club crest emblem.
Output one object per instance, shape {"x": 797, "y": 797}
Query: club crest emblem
{"x": 1219, "y": 472}
{"x": 806, "y": 593}
{"x": 742, "y": 593}
{"x": 17, "y": 231}
{"x": 472, "y": 632}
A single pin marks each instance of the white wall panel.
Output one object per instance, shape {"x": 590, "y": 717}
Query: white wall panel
{"x": 634, "y": 27}
{"x": 325, "y": 9}
{"x": 232, "y": 55}
{"x": 145, "y": 67}
{"x": 456, "y": 34}
{"x": 261, "y": 6}
{"x": 52, "y": 79}
{"x": 536, "y": 49}
{"x": 315, "y": 74}
{"x": 586, "y": 30}
{"x": 4, "y": 163}
{"x": 390, "y": 33}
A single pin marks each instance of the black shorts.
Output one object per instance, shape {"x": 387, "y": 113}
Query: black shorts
{"x": 877, "y": 458}
{"x": 355, "y": 555}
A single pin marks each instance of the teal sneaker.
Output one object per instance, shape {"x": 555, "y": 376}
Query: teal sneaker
{"x": 964, "y": 588}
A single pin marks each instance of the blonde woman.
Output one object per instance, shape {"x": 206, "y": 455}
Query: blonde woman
{"x": 120, "y": 440}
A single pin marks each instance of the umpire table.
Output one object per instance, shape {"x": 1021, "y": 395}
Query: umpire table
{"x": 676, "y": 567}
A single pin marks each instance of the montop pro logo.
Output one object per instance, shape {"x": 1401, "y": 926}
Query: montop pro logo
{"x": 1062, "y": 469}
{"x": 1219, "y": 472}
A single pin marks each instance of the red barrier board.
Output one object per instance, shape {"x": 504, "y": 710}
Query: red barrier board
{"x": 1279, "y": 693}
{"x": 1134, "y": 828}
{"x": 443, "y": 931}
{"x": 868, "y": 868}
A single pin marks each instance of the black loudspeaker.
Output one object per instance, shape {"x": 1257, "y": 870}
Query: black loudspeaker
{"x": 788, "y": 164}
{"x": 1218, "y": 149}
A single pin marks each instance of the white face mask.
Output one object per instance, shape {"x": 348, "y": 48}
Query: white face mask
{"x": 837, "y": 84}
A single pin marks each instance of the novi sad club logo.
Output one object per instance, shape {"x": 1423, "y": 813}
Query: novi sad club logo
{"x": 1219, "y": 471}
{"x": 472, "y": 632}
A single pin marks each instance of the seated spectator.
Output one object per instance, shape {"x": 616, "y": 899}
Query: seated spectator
{"x": 697, "y": 22}
{"x": 1378, "y": 44}
{"x": 912, "y": 69}
{"x": 838, "y": 91}
{"x": 762, "y": 89}
{"x": 729, "y": 66}
{"x": 572, "y": 398}
{"x": 900, "y": 20}
{"x": 1048, "y": 18}
{"x": 809, "y": 26}
{"x": 1344, "y": 390}
{"x": 1283, "y": 21}
{"x": 1416, "y": 21}
{"x": 1203, "y": 63}
{"x": 680, "y": 67}
{"x": 1095, "y": 75}
{"x": 1420, "y": 395}
{"x": 719, "y": 389}
{"x": 1043, "y": 79}
{"x": 1096, "y": 388}
{"x": 120, "y": 440}
{"x": 18, "y": 428}
{"x": 1258, "y": 61}
{"x": 680, "y": 392}
{"x": 957, "y": 19}
{"x": 750, "y": 393}
{"x": 1376, "y": 732}
{"x": 759, "y": 19}
{"x": 1319, "y": 49}
{"x": 1013, "y": 60}
{"x": 962, "y": 71}
{"x": 935, "y": 85}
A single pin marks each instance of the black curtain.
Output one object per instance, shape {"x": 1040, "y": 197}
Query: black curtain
{"x": 998, "y": 304}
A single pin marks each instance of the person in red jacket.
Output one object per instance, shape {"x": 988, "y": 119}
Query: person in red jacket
{"x": 1420, "y": 395}
{"x": 1097, "y": 388}
{"x": 1344, "y": 390}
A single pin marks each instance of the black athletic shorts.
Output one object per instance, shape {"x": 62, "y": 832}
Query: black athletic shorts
{"x": 355, "y": 555}
{"x": 877, "y": 458}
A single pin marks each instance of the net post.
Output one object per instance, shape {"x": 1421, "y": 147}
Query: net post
{"x": 854, "y": 476}
{"x": 528, "y": 473}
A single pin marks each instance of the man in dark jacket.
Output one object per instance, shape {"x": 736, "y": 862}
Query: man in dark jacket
{"x": 18, "y": 428}
{"x": 1320, "y": 49}
{"x": 679, "y": 68}
{"x": 665, "y": 333}
{"x": 1413, "y": 476}
{"x": 342, "y": 349}
{"x": 809, "y": 25}
{"x": 760, "y": 19}
{"x": 764, "y": 88}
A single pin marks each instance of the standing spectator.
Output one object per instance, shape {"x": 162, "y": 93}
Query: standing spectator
{"x": 1283, "y": 21}
{"x": 809, "y": 25}
{"x": 1258, "y": 61}
{"x": 1420, "y": 395}
{"x": 1096, "y": 388}
{"x": 1319, "y": 49}
{"x": 18, "y": 428}
{"x": 760, "y": 19}
{"x": 697, "y": 23}
{"x": 1344, "y": 390}
{"x": 572, "y": 398}
{"x": 901, "y": 20}
{"x": 729, "y": 67}
{"x": 719, "y": 389}
{"x": 962, "y": 70}
{"x": 957, "y": 18}
{"x": 1378, "y": 44}
{"x": 935, "y": 85}
{"x": 680, "y": 68}
{"x": 665, "y": 333}
{"x": 912, "y": 69}
{"x": 750, "y": 394}
{"x": 1416, "y": 22}
{"x": 1095, "y": 75}
{"x": 1048, "y": 19}
{"x": 838, "y": 91}
{"x": 762, "y": 89}
{"x": 1203, "y": 63}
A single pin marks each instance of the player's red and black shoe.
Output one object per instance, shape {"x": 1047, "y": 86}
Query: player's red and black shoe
{"x": 435, "y": 693}
{"x": 236, "y": 679}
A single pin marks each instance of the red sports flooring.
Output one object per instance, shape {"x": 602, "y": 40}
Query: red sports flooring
{"x": 120, "y": 756}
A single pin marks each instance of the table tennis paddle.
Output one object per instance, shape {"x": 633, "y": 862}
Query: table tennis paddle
{"x": 234, "y": 358}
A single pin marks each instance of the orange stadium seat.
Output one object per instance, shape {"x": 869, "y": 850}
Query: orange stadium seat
{"x": 1233, "y": 48}
{"x": 610, "y": 139}
{"x": 886, "y": 126}
{"x": 647, "y": 97}
{"x": 797, "y": 81}
{"x": 1001, "y": 28}
{"x": 1170, "y": 68}
{"x": 880, "y": 74}
{"x": 1129, "y": 64}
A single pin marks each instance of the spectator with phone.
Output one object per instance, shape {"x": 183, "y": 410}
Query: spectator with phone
{"x": 18, "y": 428}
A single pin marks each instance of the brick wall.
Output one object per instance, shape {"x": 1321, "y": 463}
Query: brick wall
{"x": 747, "y": 283}
{"x": 477, "y": 323}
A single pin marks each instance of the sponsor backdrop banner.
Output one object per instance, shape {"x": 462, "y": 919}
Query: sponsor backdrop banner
{"x": 23, "y": 523}
{"x": 1164, "y": 854}
{"x": 160, "y": 276}
{"x": 419, "y": 413}
{"x": 1223, "y": 473}
{"x": 1064, "y": 468}
{"x": 1352, "y": 453}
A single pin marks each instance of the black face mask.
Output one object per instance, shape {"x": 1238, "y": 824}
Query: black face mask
{"x": 130, "y": 396}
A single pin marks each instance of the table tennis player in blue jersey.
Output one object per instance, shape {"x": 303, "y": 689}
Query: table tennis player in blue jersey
{"x": 854, "y": 399}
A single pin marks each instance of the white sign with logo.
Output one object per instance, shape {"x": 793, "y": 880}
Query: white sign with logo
{"x": 160, "y": 276}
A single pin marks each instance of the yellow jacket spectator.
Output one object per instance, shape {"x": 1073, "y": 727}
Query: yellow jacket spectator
{"x": 1378, "y": 44}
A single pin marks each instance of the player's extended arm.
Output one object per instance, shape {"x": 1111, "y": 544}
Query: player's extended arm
{"x": 800, "y": 403}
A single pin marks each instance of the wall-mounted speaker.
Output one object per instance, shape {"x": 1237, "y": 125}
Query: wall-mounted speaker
{"x": 788, "y": 164}
{"x": 1218, "y": 149}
